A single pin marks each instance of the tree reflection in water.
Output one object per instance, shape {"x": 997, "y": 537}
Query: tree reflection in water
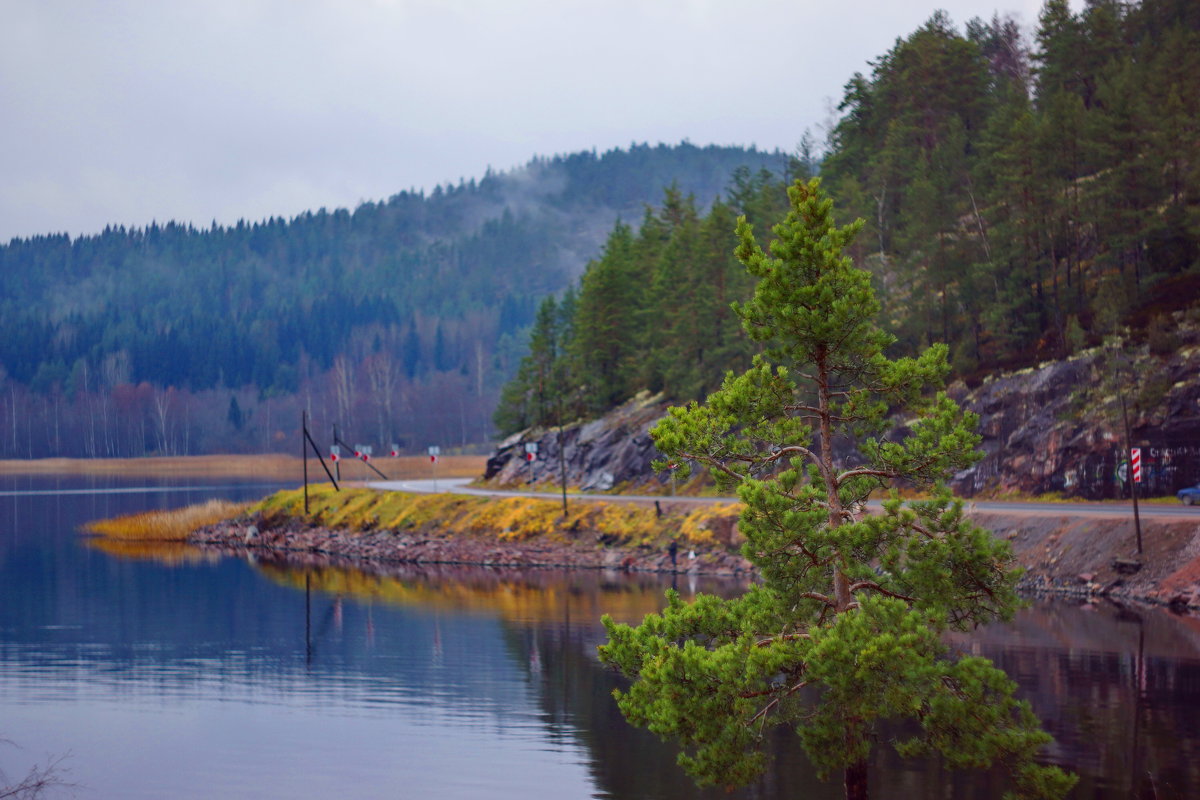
{"x": 1117, "y": 687}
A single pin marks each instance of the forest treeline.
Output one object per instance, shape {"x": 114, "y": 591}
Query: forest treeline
{"x": 1024, "y": 195}
{"x": 399, "y": 321}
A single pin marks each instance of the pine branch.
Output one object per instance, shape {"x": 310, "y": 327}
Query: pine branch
{"x": 783, "y": 637}
{"x": 854, "y": 473}
{"x": 873, "y": 585}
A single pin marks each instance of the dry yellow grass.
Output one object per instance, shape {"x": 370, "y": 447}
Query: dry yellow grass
{"x": 505, "y": 519}
{"x": 283, "y": 467}
{"x": 166, "y": 526}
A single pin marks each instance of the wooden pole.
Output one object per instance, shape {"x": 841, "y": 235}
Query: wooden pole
{"x": 562, "y": 458}
{"x": 304, "y": 454}
{"x": 1137, "y": 518}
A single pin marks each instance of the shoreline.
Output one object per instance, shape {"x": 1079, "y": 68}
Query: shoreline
{"x": 372, "y": 526}
{"x": 392, "y": 548}
{"x": 1085, "y": 559}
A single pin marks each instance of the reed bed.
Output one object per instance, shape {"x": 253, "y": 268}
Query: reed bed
{"x": 264, "y": 466}
{"x": 166, "y": 526}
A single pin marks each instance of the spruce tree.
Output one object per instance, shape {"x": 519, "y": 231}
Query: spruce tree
{"x": 606, "y": 338}
{"x": 541, "y": 390}
{"x": 844, "y": 631}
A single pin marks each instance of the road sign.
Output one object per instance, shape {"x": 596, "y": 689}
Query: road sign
{"x": 1135, "y": 460}
{"x": 335, "y": 452}
{"x": 395, "y": 451}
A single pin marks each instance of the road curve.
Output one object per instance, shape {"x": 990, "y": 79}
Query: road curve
{"x": 1146, "y": 510}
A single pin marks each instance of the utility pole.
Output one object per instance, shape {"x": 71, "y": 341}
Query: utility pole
{"x": 562, "y": 458}
{"x": 304, "y": 454}
{"x": 1137, "y": 518}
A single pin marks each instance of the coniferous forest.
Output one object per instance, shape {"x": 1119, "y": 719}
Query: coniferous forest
{"x": 398, "y": 321}
{"x": 1025, "y": 194}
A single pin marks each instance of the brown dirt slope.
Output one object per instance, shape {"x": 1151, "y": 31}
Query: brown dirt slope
{"x": 1098, "y": 556}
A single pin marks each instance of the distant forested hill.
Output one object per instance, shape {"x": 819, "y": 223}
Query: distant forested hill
{"x": 398, "y": 321}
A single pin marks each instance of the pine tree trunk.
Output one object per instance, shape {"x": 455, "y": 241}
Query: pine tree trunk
{"x": 856, "y": 781}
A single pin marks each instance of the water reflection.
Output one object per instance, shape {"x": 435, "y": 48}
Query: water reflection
{"x": 169, "y": 554}
{"x": 523, "y": 596}
{"x": 306, "y": 678}
{"x": 1117, "y": 687}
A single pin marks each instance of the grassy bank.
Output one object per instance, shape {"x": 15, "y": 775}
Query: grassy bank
{"x": 508, "y": 519}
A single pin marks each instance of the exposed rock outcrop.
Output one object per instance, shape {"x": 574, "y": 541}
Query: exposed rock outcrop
{"x": 614, "y": 450}
{"x": 1054, "y": 429}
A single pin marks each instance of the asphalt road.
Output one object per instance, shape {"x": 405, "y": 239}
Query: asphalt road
{"x": 1146, "y": 510}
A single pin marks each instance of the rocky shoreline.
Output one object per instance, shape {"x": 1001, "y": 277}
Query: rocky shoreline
{"x": 1088, "y": 559}
{"x": 1096, "y": 557}
{"x": 292, "y": 536}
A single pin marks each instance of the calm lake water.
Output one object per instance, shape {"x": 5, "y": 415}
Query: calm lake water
{"x": 171, "y": 675}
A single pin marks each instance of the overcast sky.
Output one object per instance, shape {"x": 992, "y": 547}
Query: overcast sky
{"x": 128, "y": 111}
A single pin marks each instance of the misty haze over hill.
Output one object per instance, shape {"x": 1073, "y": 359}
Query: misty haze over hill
{"x": 398, "y": 321}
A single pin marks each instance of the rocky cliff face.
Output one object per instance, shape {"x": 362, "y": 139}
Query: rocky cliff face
{"x": 615, "y": 450}
{"x": 1057, "y": 429}
{"x": 1048, "y": 429}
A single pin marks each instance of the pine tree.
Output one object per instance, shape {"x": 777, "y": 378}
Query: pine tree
{"x": 672, "y": 322}
{"x": 606, "y": 337}
{"x": 539, "y": 393}
{"x": 843, "y": 633}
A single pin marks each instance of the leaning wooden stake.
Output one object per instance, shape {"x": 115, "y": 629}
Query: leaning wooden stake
{"x": 306, "y": 442}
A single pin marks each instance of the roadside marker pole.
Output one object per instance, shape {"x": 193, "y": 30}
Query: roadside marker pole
{"x": 531, "y": 449}
{"x": 434, "y": 453}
